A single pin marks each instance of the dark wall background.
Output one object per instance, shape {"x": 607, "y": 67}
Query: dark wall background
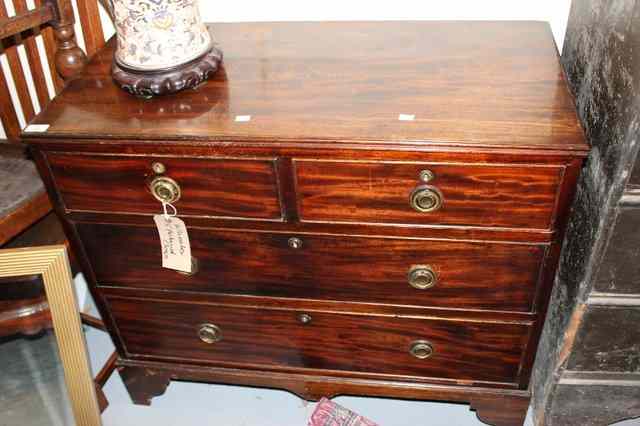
{"x": 588, "y": 341}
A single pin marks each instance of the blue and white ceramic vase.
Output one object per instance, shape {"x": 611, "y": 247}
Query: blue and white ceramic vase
{"x": 158, "y": 34}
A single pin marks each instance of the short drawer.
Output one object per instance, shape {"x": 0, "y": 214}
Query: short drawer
{"x": 267, "y": 337}
{"x": 447, "y": 274}
{"x": 208, "y": 186}
{"x": 427, "y": 194}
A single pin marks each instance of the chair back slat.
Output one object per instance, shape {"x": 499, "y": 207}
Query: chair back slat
{"x": 22, "y": 22}
{"x": 8, "y": 114}
{"x": 91, "y": 25}
{"x": 25, "y": 87}
{"x": 11, "y": 50}
{"x": 20, "y": 81}
{"x": 49, "y": 41}
{"x": 33, "y": 57}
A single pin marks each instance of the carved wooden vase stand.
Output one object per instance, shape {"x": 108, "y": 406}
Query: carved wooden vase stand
{"x": 147, "y": 84}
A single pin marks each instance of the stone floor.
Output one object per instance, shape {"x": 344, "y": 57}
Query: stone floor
{"x": 32, "y": 389}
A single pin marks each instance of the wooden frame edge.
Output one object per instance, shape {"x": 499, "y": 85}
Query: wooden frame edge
{"x": 53, "y": 264}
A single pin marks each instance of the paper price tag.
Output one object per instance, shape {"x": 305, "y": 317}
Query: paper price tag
{"x": 36, "y": 128}
{"x": 174, "y": 241}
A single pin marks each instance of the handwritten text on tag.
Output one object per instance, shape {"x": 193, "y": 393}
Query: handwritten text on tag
{"x": 174, "y": 241}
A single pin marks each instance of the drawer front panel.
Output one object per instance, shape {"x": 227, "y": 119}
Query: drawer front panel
{"x": 474, "y": 195}
{"x": 375, "y": 270}
{"x": 209, "y": 187}
{"x": 285, "y": 338}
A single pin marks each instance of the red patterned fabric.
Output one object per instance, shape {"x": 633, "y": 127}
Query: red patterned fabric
{"x": 328, "y": 413}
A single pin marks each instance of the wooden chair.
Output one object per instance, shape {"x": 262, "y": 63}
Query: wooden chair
{"x": 26, "y": 217}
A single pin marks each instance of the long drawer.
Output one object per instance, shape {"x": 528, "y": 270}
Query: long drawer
{"x": 215, "y": 187}
{"x": 265, "y": 337}
{"x": 482, "y": 195}
{"x": 447, "y": 274}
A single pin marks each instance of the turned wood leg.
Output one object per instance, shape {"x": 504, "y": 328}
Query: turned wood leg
{"x": 70, "y": 59}
{"x": 504, "y": 411}
{"x": 144, "y": 384}
{"x": 103, "y": 402}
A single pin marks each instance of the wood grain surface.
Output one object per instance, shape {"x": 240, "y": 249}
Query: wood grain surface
{"x": 354, "y": 343}
{"x": 477, "y": 195}
{"x": 470, "y": 83}
{"x": 480, "y": 275}
{"x": 500, "y": 407}
{"x": 324, "y": 158}
{"x": 209, "y": 187}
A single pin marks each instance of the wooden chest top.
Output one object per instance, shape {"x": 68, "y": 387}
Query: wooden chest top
{"x": 479, "y": 84}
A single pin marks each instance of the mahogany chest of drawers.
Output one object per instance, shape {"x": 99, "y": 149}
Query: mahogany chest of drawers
{"x": 373, "y": 209}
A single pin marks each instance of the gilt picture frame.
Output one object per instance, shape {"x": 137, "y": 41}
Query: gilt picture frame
{"x": 52, "y": 263}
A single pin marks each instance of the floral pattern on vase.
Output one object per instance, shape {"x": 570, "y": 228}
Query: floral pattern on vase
{"x": 159, "y": 34}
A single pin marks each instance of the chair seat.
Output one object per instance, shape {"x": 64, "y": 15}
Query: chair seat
{"x": 23, "y": 199}
{"x": 19, "y": 179}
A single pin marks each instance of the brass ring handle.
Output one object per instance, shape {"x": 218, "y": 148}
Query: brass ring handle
{"x": 426, "y": 198}
{"x": 422, "y": 277}
{"x": 210, "y": 333}
{"x": 421, "y": 349}
{"x": 295, "y": 243}
{"x": 165, "y": 189}
{"x": 304, "y": 318}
